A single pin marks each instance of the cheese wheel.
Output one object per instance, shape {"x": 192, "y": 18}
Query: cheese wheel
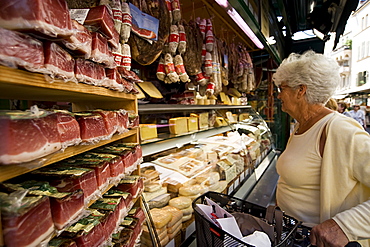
{"x": 176, "y": 215}
{"x": 160, "y": 217}
{"x": 187, "y": 211}
{"x": 180, "y": 202}
{"x": 191, "y": 190}
{"x": 186, "y": 217}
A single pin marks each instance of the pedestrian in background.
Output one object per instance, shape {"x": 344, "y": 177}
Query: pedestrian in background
{"x": 358, "y": 115}
{"x": 342, "y": 108}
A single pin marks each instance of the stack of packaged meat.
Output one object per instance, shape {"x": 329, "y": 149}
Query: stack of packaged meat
{"x": 45, "y": 37}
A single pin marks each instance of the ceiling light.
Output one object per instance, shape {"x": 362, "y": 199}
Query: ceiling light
{"x": 240, "y": 22}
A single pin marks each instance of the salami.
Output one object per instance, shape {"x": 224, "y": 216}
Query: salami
{"x": 176, "y": 12}
{"x": 174, "y": 39}
{"x": 161, "y": 73}
{"x": 180, "y": 69}
{"x": 126, "y": 23}
{"x": 182, "y": 39}
{"x": 170, "y": 68}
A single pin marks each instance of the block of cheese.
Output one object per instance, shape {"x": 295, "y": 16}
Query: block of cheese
{"x": 192, "y": 123}
{"x": 202, "y": 119}
{"x": 178, "y": 125}
{"x": 148, "y": 131}
{"x": 220, "y": 121}
{"x": 231, "y": 117}
{"x": 243, "y": 116}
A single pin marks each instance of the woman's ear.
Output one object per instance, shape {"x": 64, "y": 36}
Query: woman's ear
{"x": 302, "y": 89}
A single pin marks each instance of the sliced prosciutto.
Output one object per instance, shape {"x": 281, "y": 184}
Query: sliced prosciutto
{"x": 58, "y": 62}
{"x": 114, "y": 80}
{"x": 21, "y": 50}
{"x": 45, "y": 17}
{"x": 27, "y": 224}
{"x": 18, "y": 129}
{"x": 92, "y": 127}
{"x": 89, "y": 72}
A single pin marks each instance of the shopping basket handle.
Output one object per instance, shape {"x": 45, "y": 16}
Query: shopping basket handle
{"x": 350, "y": 244}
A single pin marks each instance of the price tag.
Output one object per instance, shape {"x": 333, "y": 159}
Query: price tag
{"x": 236, "y": 183}
{"x": 231, "y": 189}
{"x": 190, "y": 229}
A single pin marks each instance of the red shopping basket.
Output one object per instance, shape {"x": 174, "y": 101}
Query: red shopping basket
{"x": 208, "y": 234}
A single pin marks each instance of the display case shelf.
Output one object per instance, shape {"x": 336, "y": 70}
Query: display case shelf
{"x": 11, "y": 171}
{"x": 24, "y": 85}
{"x": 162, "y": 108}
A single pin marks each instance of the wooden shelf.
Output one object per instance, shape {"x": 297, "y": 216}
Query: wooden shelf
{"x": 24, "y": 85}
{"x": 11, "y": 171}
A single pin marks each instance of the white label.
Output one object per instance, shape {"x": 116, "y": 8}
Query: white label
{"x": 79, "y": 15}
{"x": 231, "y": 189}
{"x": 236, "y": 183}
{"x": 190, "y": 229}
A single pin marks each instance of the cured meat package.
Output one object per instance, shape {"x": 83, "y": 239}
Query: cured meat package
{"x": 132, "y": 184}
{"x": 88, "y": 231}
{"x": 28, "y": 221}
{"x": 100, "y": 52}
{"x": 21, "y": 50}
{"x": 102, "y": 19}
{"x": 80, "y": 41}
{"x": 68, "y": 128}
{"x": 126, "y": 202}
{"x": 89, "y": 72}
{"x": 110, "y": 120}
{"x": 114, "y": 80}
{"x": 69, "y": 179}
{"x": 45, "y": 17}
{"x": 92, "y": 127}
{"x": 58, "y": 62}
{"x": 18, "y": 129}
{"x": 65, "y": 206}
{"x": 101, "y": 168}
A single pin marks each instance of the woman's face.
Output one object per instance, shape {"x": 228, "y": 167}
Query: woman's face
{"x": 287, "y": 97}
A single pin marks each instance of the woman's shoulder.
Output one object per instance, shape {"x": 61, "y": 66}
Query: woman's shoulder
{"x": 342, "y": 122}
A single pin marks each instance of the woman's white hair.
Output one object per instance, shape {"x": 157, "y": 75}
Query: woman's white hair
{"x": 319, "y": 73}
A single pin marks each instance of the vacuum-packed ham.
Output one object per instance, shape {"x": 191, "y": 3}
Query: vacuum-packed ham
{"x": 80, "y": 41}
{"x": 132, "y": 184}
{"x": 101, "y": 18}
{"x": 88, "y": 231}
{"x": 47, "y": 17}
{"x": 101, "y": 167}
{"x": 28, "y": 221}
{"x": 116, "y": 167}
{"x": 110, "y": 120}
{"x": 92, "y": 127}
{"x": 21, "y": 50}
{"x": 89, "y": 72}
{"x": 126, "y": 200}
{"x": 68, "y": 129}
{"x": 100, "y": 52}
{"x": 114, "y": 80}
{"x": 19, "y": 129}
{"x": 69, "y": 179}
{"x": 58, "y": 62}
{"x": 65, "y": 206}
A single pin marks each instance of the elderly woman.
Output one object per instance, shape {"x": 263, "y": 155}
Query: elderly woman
{"x": 325, "y": 168}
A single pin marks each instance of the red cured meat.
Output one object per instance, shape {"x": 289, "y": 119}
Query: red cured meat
{"x": 116, "y": 166}
{"x": 47, "y": 17}
{"x": 64, "y": 210}
{"x": 80, "y": 41}
{"x": 17, "y": 133}
{"x": 62, "y": 242}
{"x": 68, "y": 129}
{"x": 100, "y": 52}
{"x": 137, "y": 213}
{"x": 135, "y": 149}
{"x": 69, "y": 179}
{"x": 87, "y": 160}
{"x": 101, "y": 18}
{"x": 30, "y": 225}
{"x": 114, "y": 80}
{"x": 58, "y": 62}
{"x": 110, "y": 120}
{"x": 20, "y": 50}
{"x": 93, "y": 238}
{"x": 131, "y": 184}
{"x": 92, "y": 127}
{"x": 122, "y": 116}
{"x": 89, "y": 72}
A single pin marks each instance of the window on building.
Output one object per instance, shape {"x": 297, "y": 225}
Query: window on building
{"x": 362, "y": 78}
